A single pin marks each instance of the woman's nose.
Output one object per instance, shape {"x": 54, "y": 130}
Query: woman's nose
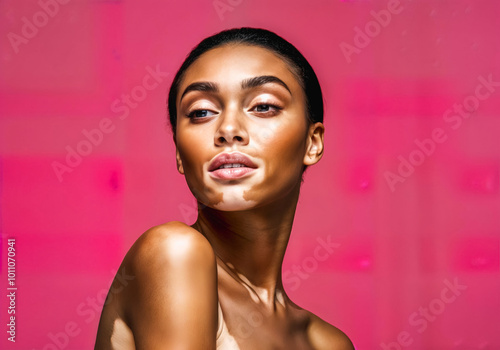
{"x": 231, "y": 128}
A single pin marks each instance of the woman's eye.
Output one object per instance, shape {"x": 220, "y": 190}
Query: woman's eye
{"x": 262, "y": 108}
{"x": 200, "y": 113}
{"x": 266, "y": 108}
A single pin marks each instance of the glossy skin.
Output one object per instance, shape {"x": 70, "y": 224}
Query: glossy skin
{"x": 232, "y": 255}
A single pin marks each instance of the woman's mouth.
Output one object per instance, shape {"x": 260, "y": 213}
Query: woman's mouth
{"x": 230, "y": 166}
{"x": 231, "y": 173}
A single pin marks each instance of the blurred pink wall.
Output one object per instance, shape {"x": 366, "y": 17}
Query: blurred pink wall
{"x": 405, "y": 201}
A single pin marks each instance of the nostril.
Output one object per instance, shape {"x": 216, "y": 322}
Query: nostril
{"x": 222, "y": 139}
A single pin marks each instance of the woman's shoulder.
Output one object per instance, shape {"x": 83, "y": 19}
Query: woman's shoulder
{"x": 170, "y": 233}
{"x": 324, "y": 336}
{"x": 171, "y": 240}
{"x": 174, "y": 283}
{"x": 170, "y": 252}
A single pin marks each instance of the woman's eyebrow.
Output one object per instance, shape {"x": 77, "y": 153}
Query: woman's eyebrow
{"x": 249, "y": 83}
{"x": 254, "y": 82}
{"x": 201, "y": 86}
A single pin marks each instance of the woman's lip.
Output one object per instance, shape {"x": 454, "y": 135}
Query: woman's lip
{"x": 231, "y": 158}
{"x": 231, "y": 173}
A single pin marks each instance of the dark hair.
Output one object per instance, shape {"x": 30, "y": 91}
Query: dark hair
{"x": 265, "y": 39}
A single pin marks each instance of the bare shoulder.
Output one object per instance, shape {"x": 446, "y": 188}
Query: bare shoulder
{"x": 324, "y": 336}
{"x": 173, "y": 232}
{"x": 170, "y": 242}
{"x": 168, "y": 258}
{"x": 172, "y": 282}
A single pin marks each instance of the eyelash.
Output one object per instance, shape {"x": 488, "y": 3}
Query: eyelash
{"x": 191, "y": 115}
{"x": 276, "y": 108}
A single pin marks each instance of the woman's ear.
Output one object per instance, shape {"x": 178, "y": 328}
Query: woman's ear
{"x": 180, "y": 168}
{"x": 314, "y": 143}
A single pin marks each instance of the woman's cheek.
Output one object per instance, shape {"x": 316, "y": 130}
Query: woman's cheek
{"x": 190, "y": 157}
{"x": 268, "y": 134}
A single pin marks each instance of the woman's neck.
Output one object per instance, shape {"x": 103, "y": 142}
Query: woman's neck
{"x": 251, "y": 244}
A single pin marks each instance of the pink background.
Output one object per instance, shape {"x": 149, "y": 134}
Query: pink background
{"x": 394, "y": 248}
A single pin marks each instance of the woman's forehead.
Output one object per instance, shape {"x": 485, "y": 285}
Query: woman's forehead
{"x": 232, "y": 63}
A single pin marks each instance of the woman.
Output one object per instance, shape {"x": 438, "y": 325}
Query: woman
{"x": 246, "y": 112}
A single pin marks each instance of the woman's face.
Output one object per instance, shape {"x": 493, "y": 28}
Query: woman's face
{"x": 242, "y": 133}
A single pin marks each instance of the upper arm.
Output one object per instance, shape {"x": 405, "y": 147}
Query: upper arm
{"x": 172, "y": 301}
{"x": 324, "y": 336}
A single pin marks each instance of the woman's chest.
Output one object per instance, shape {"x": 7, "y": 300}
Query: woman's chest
{"x": 243, "y": 327}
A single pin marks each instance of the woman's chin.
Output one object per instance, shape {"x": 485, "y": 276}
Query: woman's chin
{"x": 230, "y": 199}
{"x": 234, "y": 205}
